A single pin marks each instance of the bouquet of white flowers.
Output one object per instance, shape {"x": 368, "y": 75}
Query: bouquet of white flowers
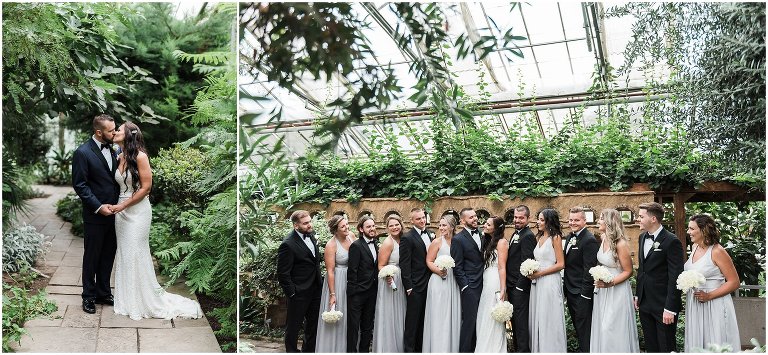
{"x": 690, "y": 279}
{"x": 528, "y": 267}
{"x": 444, "y": 262}
{"x": 502, "y": 312}
{"x": 332, "y": 316}
{"x": 389, "y": 270}
{"x": 601, "y": 273}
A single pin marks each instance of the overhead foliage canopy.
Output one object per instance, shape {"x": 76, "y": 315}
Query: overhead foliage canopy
{"x": 716, "y": 52}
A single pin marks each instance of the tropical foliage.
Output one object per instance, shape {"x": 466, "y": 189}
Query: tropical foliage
{"x": 21, "y": 305}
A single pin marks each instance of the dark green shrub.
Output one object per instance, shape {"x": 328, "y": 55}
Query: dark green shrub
{"x": 19, "y": 306}
{"x": 174, "y": 171}
{"x": 70, "y": 209}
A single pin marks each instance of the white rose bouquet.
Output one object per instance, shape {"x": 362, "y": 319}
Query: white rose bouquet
{"x": 528, "y": 267}
{"x": 389, "y": 270}
{"x": 332, "y": 316}
{"x": 445, "y": 262}
{"x": 502, "y": 312}
{"x": 690, "y": 279}
{"x": 601, "y": 273}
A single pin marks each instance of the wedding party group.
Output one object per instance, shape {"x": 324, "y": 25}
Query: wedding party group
{"x": 456, "y": 290}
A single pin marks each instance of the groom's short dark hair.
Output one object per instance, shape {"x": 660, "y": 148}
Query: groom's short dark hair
{"x": 465, "y": 209}
{"x": 98, "y": 121}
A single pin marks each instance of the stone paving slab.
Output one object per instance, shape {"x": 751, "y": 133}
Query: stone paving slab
{"x": 190, "y": 323}
{"x": 65, "y": 300}
{"x": 54, "y": 320}
{"x": 195, "y": 340}
{"x": 72, "y": 261}
{"x": 77, "y": 318}
{"x": 111, "y": 320}
{"x": 66, "y": 275}
{"x": 118, "y": 340}
{"x": 64, "y": 290}
{"x": 58, "y": 340}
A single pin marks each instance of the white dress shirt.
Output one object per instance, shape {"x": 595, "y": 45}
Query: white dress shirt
{"x": 424, "y": 237}
{"x": 370, "y": 247}
{"x": 308, "y": 242}
{"x": 648, "y": 243}
{"x": 475, "y": 237}
{"x": 105, "y": 152}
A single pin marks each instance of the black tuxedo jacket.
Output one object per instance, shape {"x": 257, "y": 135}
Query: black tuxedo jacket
{"x": 519, "y": 251}
{"x": 362, "y": 270}
{"x": 657, "y": 275}
{"x": 578, "y": 260}
{"x": 94, "y": 181}
{"x": 413, "y": 262}
{"x": 468, "y": 259}
{"x": 298, "y": 271}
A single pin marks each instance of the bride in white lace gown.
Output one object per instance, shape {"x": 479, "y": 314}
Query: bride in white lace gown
{"x": 492, "y": 335}
{"x": 137, "y": 293}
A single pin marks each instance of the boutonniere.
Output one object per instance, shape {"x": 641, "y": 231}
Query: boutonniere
{"x": 656, "y": 246}
{"x": 516, "y": 239}
{"x": 572, "y": 242}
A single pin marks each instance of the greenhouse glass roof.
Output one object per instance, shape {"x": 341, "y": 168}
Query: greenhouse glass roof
{"x": 566, "y": 44}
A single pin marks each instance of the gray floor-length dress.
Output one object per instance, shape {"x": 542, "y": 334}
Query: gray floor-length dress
{"x": 614, "y": 328}
{"x": 442, "y": 317}
{"x": 332, "y": 338}
{"x": 714, "y": 321}
{"x": 389, "y": 324}
{"x": 546, "y": 319}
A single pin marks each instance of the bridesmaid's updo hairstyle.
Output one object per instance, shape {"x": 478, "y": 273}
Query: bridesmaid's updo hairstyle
{"x": 551, "y": 222}
{"x": 133, "y": 144}
{"x": 491, "y": 240}
{"x": 708, "y": 228}
{"x": 333, "y": 223}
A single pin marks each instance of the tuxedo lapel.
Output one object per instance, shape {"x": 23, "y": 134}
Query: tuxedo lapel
{"x": 301, "y": 245}
{"x": 95, "y": 149}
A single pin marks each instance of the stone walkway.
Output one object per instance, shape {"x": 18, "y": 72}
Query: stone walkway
{"x": 262, "y": 345}
{"x": 75, "y": 331}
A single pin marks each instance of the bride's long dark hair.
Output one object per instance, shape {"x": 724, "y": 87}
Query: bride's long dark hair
{"x": 490, "y": 241}
{"x": 132, "y": 145}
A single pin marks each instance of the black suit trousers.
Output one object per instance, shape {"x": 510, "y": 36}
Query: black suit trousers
{"x": 521, "y": 334}
{"x": 302, "y": 308}
{"x": 659, "y": 337}
{"x": 470, "y": 300}
{"x": 361, "y": 310}
{"x": 100, "y": 246}
{"x": 580, "y": 310}
{"x": 413, "y": 336}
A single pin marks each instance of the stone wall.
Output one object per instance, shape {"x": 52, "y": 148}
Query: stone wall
{"x": 380, "y": 208}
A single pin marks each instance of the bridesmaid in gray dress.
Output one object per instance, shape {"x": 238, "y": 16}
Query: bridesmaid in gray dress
{"x": 546, "y": 319}
{"x": 614, "y": 329}
{"x": 389, "y": 323}
{"x": 709, "y": 314}
{"x": 332, "y": 338}
{"x": 443, "y": 312}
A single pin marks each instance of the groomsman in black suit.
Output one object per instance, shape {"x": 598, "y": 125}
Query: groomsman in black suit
{"x": 361, "y": 287}
{"x": 661, "y": 262}
{"x": 521, "y": 247}
{"x": 298, "y": 272}
{"x": 580, "y": 255}
{"x": 466, "y": 252}
{"x": 413, "y": 266}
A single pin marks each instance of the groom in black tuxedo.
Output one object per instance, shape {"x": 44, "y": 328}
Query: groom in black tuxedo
{"x": 362, "y": 272}
{"x": 298, "y": 272}
{"x": 521, "y": 247}
{"x": 413, "y": 265}
{"x": 578, "y": 286}
{"x": 661, "y": 262}
{"x": 93, "y": 178}
{"x": 466, "y": 252}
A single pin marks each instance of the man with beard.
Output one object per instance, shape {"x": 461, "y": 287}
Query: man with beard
{"x": 362, "y": 286}
{"x": 298, "y": 272}
{"x": 521, "y": 247}
{"x": 466, "y": 252}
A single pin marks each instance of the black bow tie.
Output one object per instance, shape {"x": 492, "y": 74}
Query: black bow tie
{"x": 649, "y": 236}
{"x": 475, "y": 231}
{"x": 371, "y": 242}
{"x": 105, "y": 145}
{"x": 424, "y": 233}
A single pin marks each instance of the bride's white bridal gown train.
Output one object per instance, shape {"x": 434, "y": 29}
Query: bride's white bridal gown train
{"x": 137, "y": 293}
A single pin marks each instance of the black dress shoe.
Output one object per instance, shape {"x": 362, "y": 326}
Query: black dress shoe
{"x": 109, "y": 300}
{"x": 89, "y": 306}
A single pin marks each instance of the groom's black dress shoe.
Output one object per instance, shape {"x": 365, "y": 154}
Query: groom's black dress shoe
{"x": 109, "y": 300}
{"x": 89, "y": 306}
